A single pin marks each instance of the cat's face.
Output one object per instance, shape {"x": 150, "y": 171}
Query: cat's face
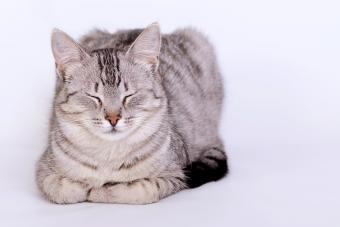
{"x": 110, "y": 94}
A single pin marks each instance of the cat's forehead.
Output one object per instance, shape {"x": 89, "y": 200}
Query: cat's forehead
{"x": 109, "y": 65}
{"x": 113, "y": 71}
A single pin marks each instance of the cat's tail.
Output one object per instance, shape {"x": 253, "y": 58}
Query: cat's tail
{"x": 210, "y": 166}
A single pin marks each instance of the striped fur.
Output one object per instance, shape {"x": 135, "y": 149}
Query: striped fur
{"x": 165, "y": 94}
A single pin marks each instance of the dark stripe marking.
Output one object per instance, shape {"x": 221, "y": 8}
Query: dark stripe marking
{"x": 68, "y": 97}
{"x": 95, "y": 97}
{"x": 72, "y": 157}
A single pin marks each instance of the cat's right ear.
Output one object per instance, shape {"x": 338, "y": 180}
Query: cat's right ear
{"x": 67, "y": 53}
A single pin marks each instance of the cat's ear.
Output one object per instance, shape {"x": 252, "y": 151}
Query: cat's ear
{"x": 67, "y": 53}
{"x": 146, "y": 48}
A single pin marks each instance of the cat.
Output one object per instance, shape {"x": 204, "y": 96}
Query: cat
{"x": 135, "y": 117}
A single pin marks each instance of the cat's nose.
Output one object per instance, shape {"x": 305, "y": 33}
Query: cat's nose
{"x": 112, "y": 118}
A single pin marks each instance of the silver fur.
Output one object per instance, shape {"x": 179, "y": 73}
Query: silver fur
{"x": 166, "y": 92}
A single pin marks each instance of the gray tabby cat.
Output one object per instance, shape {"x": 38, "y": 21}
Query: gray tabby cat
{"x": 135, "y": 117}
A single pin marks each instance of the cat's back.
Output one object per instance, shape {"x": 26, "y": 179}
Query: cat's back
{"x": 194, "y": 86}
{"x": 188, "y": 59}
{"x": 101, "y": 39}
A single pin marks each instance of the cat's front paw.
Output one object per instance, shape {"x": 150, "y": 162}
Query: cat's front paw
{"x": 63, "y": 190}
{"x": 99, "y": 195}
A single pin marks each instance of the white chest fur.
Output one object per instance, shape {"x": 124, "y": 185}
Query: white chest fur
{"x": 102, "y": 163}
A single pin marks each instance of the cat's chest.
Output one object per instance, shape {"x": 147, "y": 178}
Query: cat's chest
{"x": 115, "y": 163}
{"x": 110, "y": 166}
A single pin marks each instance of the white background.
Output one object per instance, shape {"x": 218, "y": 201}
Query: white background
{"x": 281, "y": 64}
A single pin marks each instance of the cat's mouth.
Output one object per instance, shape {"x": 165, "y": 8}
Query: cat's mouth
{"x": 110, "y": 131}
{"x": 117, "y": 131}
{"x": 113, "y": 130}
{"x": 114, "y": 134}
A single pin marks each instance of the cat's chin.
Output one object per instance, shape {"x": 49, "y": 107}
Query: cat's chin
{"x": 113, "y": 134}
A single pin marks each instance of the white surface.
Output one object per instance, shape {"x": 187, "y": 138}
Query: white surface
{"x": 281, "y": 124}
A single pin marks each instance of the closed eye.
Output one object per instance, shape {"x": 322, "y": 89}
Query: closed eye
{"x": 126, "y": 97}
{"x": 99, "y": 101}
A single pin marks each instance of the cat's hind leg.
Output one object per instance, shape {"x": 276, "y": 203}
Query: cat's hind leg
{"x": 211, "y": 165}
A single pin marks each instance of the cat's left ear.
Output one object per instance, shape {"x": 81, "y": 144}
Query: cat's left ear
{"x": 145, "y": 49}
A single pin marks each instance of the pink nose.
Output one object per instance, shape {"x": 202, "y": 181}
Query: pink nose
{"x": 112, "y": 118}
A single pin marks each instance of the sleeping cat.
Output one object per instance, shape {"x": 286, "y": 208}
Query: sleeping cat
{"x": 135, "y": 117}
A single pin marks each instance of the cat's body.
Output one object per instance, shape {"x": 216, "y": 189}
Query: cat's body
{"x": 172, "y": 142}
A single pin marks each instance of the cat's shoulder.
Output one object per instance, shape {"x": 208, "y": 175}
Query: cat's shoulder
{"x": 190, "y": 37}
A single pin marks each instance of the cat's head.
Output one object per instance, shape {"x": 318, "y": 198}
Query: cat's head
{"x": 109, "y": 93}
